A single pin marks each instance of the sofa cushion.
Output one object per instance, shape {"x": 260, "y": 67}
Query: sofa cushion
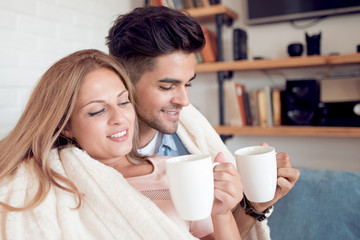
{"x": 323, "y": 204}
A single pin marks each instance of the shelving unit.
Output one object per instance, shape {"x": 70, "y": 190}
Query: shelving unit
{"x": 211, "y": 12}
{"x": 294, "y": 62}
{"x": 298, "y": 131}
{"x": 220, "y": 12}
{"x": 223, "y": 16}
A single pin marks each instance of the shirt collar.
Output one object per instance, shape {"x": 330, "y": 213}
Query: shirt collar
{"x": 168, "y": 141}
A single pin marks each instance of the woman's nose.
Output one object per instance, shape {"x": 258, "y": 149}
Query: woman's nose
{"x": 116, "y": 116}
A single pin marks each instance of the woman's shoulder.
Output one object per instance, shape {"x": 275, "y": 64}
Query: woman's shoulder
{"x": 157, "y": 159}
{"x": 153, "y": 181}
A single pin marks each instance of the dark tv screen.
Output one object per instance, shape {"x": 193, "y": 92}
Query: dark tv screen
{"x": 269, "y": 11}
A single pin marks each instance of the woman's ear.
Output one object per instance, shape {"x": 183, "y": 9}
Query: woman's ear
{"x": 67, "y": 131}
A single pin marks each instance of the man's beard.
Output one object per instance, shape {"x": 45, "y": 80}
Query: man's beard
{"x": 158, "y": 125}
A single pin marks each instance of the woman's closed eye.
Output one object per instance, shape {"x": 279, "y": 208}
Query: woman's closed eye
{"x": 124, "y": 103}
{"x": 102, "y": 110}
{"x": 92, "y": 114}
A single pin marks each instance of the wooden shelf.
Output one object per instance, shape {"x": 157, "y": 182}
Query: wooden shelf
{"x": 293, "y": 62}
{"x": 211, "y": 11}
{"x": 298, "y": 131}
{"x": 207, "y": 13}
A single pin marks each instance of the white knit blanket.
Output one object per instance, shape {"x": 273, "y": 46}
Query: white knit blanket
{"x": 111, "y": 208}
{"x": 199, "y": 136}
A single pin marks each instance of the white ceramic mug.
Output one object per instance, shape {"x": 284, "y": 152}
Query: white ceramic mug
{"x": 258, "y": 170}
{"x": 191, "y": 184}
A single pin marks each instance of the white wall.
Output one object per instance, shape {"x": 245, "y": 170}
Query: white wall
{"x": 339, "y": 34}
{"x": 36, "y": 33}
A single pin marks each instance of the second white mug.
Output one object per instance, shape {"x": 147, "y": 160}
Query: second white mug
{"x": 258, "y": 170}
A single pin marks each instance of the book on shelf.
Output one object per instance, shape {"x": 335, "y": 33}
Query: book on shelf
{"x": 248, "y": 116}
{"x": 262, "y": 106}
{"x": 168, "y": 3}
{"x": 276, "y": 106}
{"x": 198, "y": 3}
{"x": 254, "y": 107}
{"x": 188, "y": 3}
{"x": 232, "y": 104}
{"x": 153, "y": 2}
{"x": 240, "y": 92}
{"x": 209, "y": 51}
{"x": 206, "y": 3}
{"x": 270, "y": 107}
{"x": 269, "y": 110}
{"x": 201, "y": 3}
{"x": 159, "y": 2}
{"x": 179, "y": 4}
{"x": 198, "y": 58}
{"x": 212, "y": 2}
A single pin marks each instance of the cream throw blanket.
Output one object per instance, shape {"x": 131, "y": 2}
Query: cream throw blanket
{"x": 111, "y": 208}
{"x": 199, "y": 136}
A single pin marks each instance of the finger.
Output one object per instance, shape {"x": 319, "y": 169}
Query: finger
{"x": 232, "y": 187}
{"x": 226, "y": 199}
{"x": 222, "y": 176}
{"x": 229, "y": 185}
{"x": 283, "y": 186}
{"x": 228, "y": 168}
{"x": 282, "y": 155}
{"x": 219, "y": 158}
{"x": 291, "y": 174}
{"x": 283, "y": 160}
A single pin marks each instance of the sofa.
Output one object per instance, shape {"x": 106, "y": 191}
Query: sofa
{"x": 323, "y": 204}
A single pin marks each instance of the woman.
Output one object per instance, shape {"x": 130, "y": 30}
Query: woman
{"x": 50, "y": 185}
{"x": 50, "y": 190}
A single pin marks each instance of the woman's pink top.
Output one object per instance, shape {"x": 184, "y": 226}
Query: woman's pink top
{"x": 155, "y": 187}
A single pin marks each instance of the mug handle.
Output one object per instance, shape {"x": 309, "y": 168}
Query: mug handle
{"x": 215, "y": 164}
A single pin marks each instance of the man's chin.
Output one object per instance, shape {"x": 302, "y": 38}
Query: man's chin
{"x": 168, "y": 129}
{"x": 165, "y": 127}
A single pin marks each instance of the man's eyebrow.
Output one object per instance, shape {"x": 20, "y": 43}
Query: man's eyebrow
{"x": 172, "y": 80}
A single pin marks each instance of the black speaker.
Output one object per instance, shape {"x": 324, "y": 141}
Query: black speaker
{"x": 301, "y": 102}
{"x": 345, "y": 114}
{"x": 240, "y": 44}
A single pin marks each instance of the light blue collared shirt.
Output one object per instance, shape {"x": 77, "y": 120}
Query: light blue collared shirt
{"x": 171, "y": 145}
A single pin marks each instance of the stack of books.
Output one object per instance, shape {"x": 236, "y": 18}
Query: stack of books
{"x": 256, "y": 107}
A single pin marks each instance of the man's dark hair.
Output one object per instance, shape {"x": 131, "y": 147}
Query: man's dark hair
{"x": 140, "y": 36}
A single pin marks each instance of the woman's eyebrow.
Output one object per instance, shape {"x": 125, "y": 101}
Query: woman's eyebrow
{"x": 122, "y": 92}
{"x": 101, "y": 101}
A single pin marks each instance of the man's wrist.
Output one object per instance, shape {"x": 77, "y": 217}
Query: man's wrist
{"x": 251, "y": 211}
{"x": 261, "y": 207}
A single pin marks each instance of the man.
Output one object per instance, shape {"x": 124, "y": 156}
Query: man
{"x": 157, "y": 46}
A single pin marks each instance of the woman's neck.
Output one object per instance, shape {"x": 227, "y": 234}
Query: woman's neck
{"x": 128, "y": 169}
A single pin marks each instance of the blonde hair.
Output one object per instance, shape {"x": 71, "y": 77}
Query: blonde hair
{"x": 46, "y": 115}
